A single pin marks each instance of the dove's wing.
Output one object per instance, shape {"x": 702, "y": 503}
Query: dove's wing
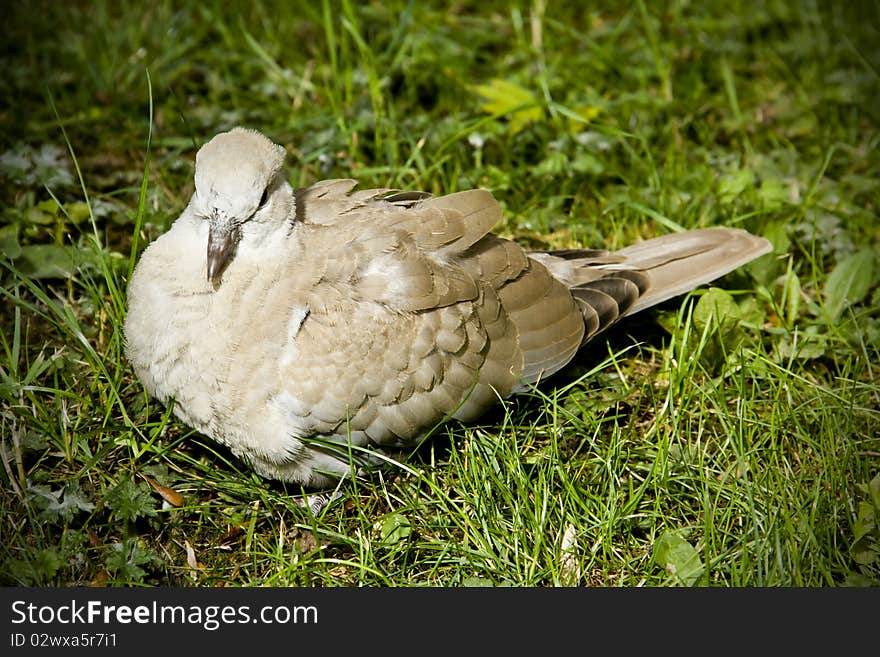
{"x": 416, "y": 312}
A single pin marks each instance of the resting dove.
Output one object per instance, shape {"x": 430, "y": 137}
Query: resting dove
{"x": 285, "y": 323}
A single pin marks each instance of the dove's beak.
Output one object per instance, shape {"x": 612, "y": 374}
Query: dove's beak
{"x": 222, "y": 240}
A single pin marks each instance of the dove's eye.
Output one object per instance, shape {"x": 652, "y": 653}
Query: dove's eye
{"x": 264, "y": 198}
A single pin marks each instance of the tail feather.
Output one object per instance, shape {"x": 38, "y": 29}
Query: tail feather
{"x": 678, "y": 263}
{"x": 614, "y": 285}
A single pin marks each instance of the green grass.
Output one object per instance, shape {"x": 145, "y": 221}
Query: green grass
{"x": 678, "y": 451}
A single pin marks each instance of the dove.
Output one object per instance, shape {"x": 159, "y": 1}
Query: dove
{"x": 302, "y": 328}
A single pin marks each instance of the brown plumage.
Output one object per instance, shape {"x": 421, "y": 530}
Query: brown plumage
{"x": 368, "y": 316}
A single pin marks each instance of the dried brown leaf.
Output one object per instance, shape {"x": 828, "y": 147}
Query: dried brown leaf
{"x": 94, "y": 541}
{"x": 233, "y": 532}
{"x": 100, "y": 579}
{"x": 168, "y": 494}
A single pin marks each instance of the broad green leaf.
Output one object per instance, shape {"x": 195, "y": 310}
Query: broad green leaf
{"x": 130, "y": 501}
{"x": 578, "y": 116}
{"x": 768, "y": 267}
{"x": 9, "y": 245}
{"x": 865, "y": 549}
{"x": 46, "y": 261}
{"x": 733, "y": 184}
{"x": 125, "y": 560}
{"x": 506, "y": 98}
{"x": 668, "y": 320}
{"x": 777, "y": 233}
{"x": 678, "y": 558}
{"x": 718, "y": 308}
{"x": 751, "y": 312}
{"x": 587, "y": 163}
{"x": 808, "y": 344}
{"x": 34, "y": 568}
{"x": 35, "y": 215}
{"x": 49, "y": 206}
{"x": 394, "y": 528}
{"x": 866, "y": 523}
{"x": 773, "y": 193}
{"x": 718, "y": 316}
{"x": 77, "y": 211}
{"x": 47, "y": 562}
{"x": 477, "y": 582}
{"x": 74, "y": 501}
{"x": 553, "y": 165}
{"x": 849, "y": 282}
{"x": 857, "y": 579}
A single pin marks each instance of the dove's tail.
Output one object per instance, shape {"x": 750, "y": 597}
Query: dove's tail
{"x": 679, "y": 262}
{"x": 610, "y": 285}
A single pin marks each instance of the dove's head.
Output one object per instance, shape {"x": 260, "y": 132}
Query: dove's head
{"x": 239, "y": 186}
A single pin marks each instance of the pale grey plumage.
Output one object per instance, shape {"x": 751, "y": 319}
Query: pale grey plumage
{"x": 274, "y": 316}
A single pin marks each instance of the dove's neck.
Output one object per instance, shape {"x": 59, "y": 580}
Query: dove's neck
{"x": 257, "y": 238}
